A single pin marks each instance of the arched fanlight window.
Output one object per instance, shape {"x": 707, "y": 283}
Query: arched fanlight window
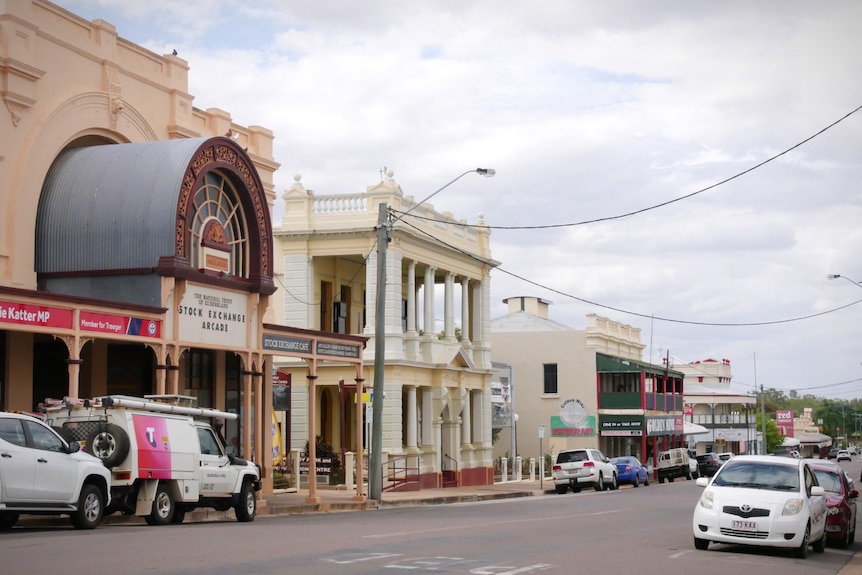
{"x": 218, "y": 228}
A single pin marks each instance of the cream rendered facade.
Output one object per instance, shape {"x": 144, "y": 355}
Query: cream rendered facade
{"x": 528, "y": 340}
{"x": 437, "y": 408}
{"x": 68, "y": 84}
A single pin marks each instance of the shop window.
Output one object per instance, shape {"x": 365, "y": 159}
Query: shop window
{"x": 199, "y": 375}
{"x": 326, "y": 306}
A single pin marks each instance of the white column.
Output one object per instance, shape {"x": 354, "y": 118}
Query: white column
{"x": 428, "y": 433}
{"x": 449, "y": 308}
{"x": 370, "y": 295}
{"x": 411, "y": 417}
{"x": 411, "y": 298}
{"x": 465, "y": 419}
{"x": 428, "y": 323}
{"x": 465, "y": 311}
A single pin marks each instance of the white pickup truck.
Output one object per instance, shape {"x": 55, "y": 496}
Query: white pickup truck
{"x": 164, "y": 459}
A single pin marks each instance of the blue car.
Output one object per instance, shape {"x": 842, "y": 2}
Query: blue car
{"x": 631, "y": 470}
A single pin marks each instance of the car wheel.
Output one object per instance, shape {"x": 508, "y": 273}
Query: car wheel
{"x": 802, "y": 550}
{"x": 853, "y": 534}
{"x": 845, "y": 541}
{"x": 163, "y": 507}
{"x": 600, "y": 484}
{"x": 576, "y": 487}
{"x": 246, "y": 507}
{"x": 561, "y": 489}
{"x": 637, "y": 481}
{"x": 91, "y": 507}
{"x": 646, "y": 480}
{"x": 8, "y": 521}
{"x": 179, "y": 515}
{"x": 661, "y": 479}
{"x": 110, "y": 443}
{"x": 615, "y": 484}
{"x": 820, "y": 545}
{"x": 701, "y": 544}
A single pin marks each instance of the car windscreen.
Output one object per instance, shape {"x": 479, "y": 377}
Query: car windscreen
{"x": 829, "y": 480}
{"x": 758, "y": 475}
{"x": 572, "y": 456}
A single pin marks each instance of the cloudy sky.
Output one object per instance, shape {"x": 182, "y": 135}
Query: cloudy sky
{"x": 587, "y": 111}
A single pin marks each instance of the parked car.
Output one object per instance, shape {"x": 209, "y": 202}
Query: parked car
{"x": 673, "y": 463}
{"x": 762, "y": 500}
{"x": 841, "y": 498}
{"x": 42, "y": 474}
{"x": 833, "y": 453}
{"x": 708, "y": 464}
{"x": 574, "y": 467}
{"x": 725, "y": 456}
{"x": 843, "y": 455}
{"x": 630, "y": 470}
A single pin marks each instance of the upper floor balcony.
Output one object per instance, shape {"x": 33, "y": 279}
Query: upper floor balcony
{"x": 651, "y": 401}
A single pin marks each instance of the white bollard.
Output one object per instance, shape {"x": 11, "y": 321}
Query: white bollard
{"x": 349, "y": 462}
{"x": 518, "y": 468}
{"x": 504, "y": 464}
{"x": 295, "y": 455}
{"x": 532, "y": 469}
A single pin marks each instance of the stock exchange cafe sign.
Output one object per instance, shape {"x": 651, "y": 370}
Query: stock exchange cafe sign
{"x": 300, "y": 345}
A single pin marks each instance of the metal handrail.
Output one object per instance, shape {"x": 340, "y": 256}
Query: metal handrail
{"x": 397, "y": 471}
{"x": 453, "y": 460}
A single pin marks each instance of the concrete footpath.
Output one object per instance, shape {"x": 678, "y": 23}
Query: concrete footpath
{"x": 290, "y": 502}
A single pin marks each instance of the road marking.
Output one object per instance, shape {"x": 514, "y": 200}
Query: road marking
{"x": 489, "y": 524}
{"x": 361, "y": 557}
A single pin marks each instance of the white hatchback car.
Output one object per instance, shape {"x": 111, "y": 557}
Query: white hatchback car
{"x": 762, "y": 500}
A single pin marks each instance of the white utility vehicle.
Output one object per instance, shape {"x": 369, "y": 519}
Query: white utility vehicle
{"x": 41, "y": 474}
{"x": 164, "y": 459}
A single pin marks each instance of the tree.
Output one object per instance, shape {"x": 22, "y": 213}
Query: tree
{"x": 774, "y": 437}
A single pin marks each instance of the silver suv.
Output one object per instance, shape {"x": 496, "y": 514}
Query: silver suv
{"x": 574, "y": 467}
{"x": 42, "y": 474}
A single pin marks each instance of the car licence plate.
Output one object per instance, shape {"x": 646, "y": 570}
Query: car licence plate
{"x": 745, "y": 525}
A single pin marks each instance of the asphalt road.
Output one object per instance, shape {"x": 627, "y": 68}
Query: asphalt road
{"x": 645, "y": 531}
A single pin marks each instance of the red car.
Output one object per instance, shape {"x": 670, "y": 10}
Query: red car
{"x": 841, "y": 498}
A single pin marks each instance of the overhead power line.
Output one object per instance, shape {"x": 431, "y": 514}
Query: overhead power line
{"x": 656, "y": 206}
{"x": 628, "y": 312}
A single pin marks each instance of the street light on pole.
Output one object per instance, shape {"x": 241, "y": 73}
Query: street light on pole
{"x": 384, "y": 231}
{"x": 836, "y": 276}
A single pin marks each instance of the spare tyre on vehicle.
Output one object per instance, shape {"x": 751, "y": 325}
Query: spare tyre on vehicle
{"x": 108, "y": 442}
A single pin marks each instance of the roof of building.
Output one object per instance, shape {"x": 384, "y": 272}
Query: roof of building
{"x": 522, "y": 321}
{"x": 112, "y": 206}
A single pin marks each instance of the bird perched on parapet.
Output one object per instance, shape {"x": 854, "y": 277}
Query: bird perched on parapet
{"x": 174, "y": 52}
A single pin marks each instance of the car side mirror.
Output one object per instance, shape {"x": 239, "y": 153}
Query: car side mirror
{"x": 74, "y": 447}
{"x": 853, "y": 494}
{"x": 817, "y": 490}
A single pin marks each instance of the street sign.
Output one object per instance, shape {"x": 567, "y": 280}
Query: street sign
{"x": 541, "y": 431}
